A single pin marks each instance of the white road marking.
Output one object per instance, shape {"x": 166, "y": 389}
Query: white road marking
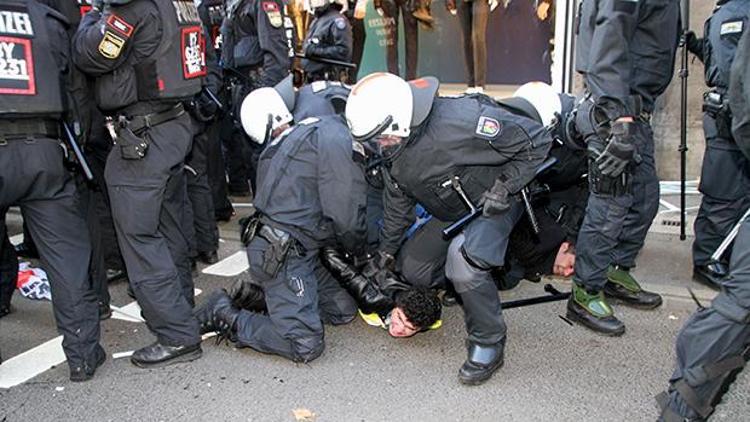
{"x": 42, "y": 358}
{"x": 229, "y": 267}
{"x": 31, "y": 363}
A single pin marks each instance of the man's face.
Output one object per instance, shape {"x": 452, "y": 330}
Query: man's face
{"x": 565, "y": 260}
{"x": 400, "y": 325}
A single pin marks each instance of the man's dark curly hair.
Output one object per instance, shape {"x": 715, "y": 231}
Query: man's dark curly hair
{"x": 421, "y": 307}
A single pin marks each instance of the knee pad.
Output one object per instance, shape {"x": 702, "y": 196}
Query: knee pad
{"x": 460, "y": 270}
{"x": 307, "y": 349}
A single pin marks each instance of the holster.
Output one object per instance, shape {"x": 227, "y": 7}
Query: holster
{"x": 279, "y": 245}
{"x": 132, "y": 147}
{"x": 606, "y": 185}
{"x": 716, "y": 106}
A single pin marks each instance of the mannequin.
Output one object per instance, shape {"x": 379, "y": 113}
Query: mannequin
{"x": 390, "y": 9}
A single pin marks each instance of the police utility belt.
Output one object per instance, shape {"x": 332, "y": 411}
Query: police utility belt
{"x": 125, "y": 131}
{"x": 23, "y": 128}
{"x": 280, "y": 243}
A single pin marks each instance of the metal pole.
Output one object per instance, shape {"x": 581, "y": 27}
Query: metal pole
{"x": 685, "y": 16}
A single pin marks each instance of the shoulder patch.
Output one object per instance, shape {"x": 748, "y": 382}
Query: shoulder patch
{"x": 488, "y": 127}
{"x": 273, "y": 11}
{"x": 731, "y": 27}
{"x": 340, "y": 23}
{"x": 309, "y": 121}
{"x": 111, "y": 45}
{"x": 120, "y": 25}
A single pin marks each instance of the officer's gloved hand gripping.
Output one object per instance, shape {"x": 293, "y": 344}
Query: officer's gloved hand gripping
{"x": 619, "y": 151}
{"x": 496, "y": 200}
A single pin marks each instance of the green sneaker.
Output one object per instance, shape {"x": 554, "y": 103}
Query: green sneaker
{"x": 621, "y": 285}
{"x": 592, "y": 311}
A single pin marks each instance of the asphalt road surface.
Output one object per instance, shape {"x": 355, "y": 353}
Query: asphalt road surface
{"x": 553, "y": 371}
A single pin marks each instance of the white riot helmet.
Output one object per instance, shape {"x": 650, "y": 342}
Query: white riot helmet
{"x": 262, "y": 112}
{"x": 544, "y": 99}
{"x": 380, "y": 104}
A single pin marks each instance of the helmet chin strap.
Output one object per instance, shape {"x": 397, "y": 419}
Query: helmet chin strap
{"x": 269, "y": 129}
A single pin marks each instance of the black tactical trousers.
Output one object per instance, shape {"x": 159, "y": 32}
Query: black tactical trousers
{"x": 714, "y": 335}
{"x": 217, "y": 176}
{"x": 149, "y": 203}
{"x": 725, "y": 180}
{"x": 474, "y": 15}
{"x": 391, "y": 10}
{"x": 8, "y": 265}
{"x": 300, "y": 299}
{"x": 615, "y": 226}
{"x": 471, "y": 257}
{"x": 421, "y": 259}
{"x": 86, "y": 192}
{"x": 206, "y": 238}
{"x": 234, "y": 155}
{"x": 32, "y": 175}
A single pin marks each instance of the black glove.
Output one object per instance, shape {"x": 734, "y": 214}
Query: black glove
{"x": 619, "y": 151}
{"x": 369, "y": 298}
{"x": 496, "y": 200}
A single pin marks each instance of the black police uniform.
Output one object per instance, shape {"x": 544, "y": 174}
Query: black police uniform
{"x": 36, "y": 54}
{"x": 321, "y": 98}
{"x": 470, "y": 141}
{"x": 329, "y": 37}
{"x": 714, "y": 344}
{"x": 141, "y": 80}
{"x": 613, "y": 36}
{"x": 257, "y": 50}
{"x": 204, "y": 110}
{"x": 722, "y": 203}
{"x": 391, "y": 11}
{"x": 311, "y": 188}
{"x": 212, "y": 14}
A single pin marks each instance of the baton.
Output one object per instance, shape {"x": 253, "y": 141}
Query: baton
{"x": 730, "y": 238}
{"x": 213, "y": 98}
{"x": 327, "y": 61}
{"x": 78, "y": 153}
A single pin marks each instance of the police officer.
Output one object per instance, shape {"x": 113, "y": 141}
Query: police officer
{"x": 32, "y": 103}
{"x": 142, "y": 78}
{"x": 257, "y": 50}
{"x": 311, "y": 193}
{"x": 448, "y": 154}
{"x": 722, "y": 203}
{"x": 714, "y": 344}
{"x": 390, "y": 9}
{"x": 329, "y": 37}
{"x": 212, "y": 14}
{"x": 614, "y": 120}
{"x": 204, "y": 109}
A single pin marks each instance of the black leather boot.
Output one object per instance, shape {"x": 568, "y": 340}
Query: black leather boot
{"x": 216, "y": 314}
{"x": 86, "y": 371}
{"x": 482, "y": 361}
{"x": 157, "y": 354}
{"x": 622, "y": 286}
{"x": 710, "y": 275}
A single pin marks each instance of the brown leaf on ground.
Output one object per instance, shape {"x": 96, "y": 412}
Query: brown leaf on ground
{"x": 303, "y": 415}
